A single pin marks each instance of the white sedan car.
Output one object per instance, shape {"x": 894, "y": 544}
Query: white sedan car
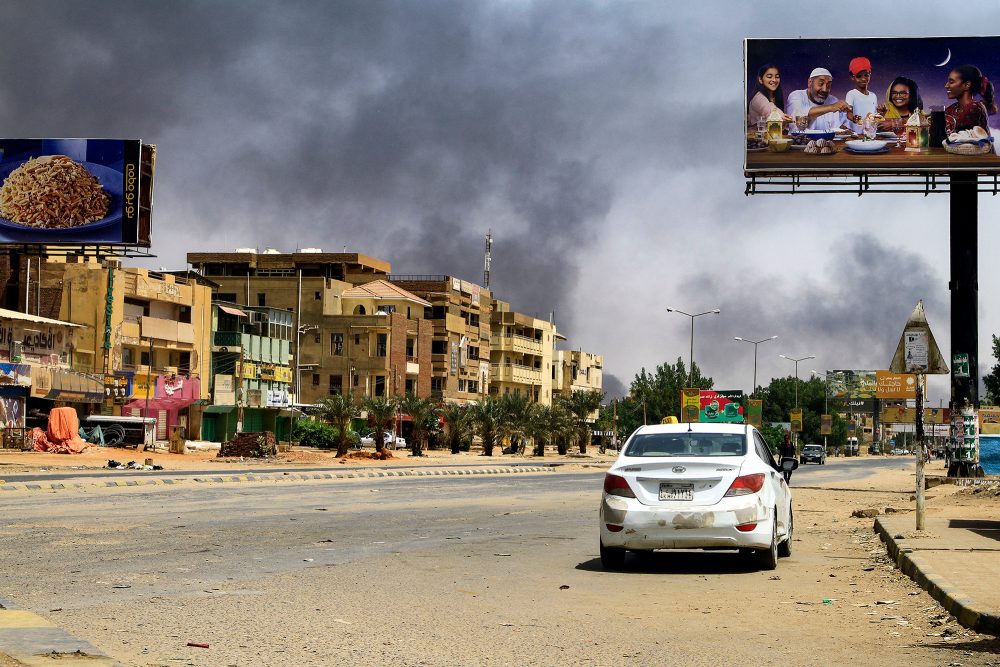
{"x": 696, "y": 486}
{"x": 390, "y": 441}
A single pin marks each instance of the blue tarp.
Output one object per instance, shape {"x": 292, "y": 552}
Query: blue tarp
{"x": 989, "y": 454}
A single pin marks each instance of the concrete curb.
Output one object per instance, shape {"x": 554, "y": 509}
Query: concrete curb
{"x": 955, "y": 602}
{"x": 34, "y": 641}
{"x": 269, "y": 477}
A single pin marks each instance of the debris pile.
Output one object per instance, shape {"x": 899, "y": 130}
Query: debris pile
{"x": 251, "y": 445}
{"x": 63, "y": 435}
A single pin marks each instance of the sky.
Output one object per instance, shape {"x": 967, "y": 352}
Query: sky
{"x": 600, "y": 142}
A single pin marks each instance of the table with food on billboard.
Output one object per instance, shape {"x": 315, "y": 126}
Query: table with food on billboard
{"x": 873, "y": 104}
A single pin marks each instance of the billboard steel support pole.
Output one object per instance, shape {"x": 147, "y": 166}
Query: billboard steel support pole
{"x": 964, "y": 286}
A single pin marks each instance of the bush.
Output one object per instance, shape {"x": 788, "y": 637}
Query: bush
{"x": 311, "y": 433}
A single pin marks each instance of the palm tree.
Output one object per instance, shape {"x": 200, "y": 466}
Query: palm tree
{"x": 456, "y": 419}
{"x": 339, "y": 410}
{"x": 516, "y": 409}
{"x": 582, "y": 405}
{"x": 551, "y": 424}
{"x": 381, "y": 413}
{"x": 487, "y": 418}
{"x": 420, "y": 410}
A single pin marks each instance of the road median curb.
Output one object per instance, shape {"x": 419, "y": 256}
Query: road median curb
{"x": 33, "y": 640}
{"x": 954, "y": 601}
{"x": 266, "y": 477}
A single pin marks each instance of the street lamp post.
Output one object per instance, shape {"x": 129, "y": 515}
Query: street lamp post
{"x": 826, "y": 397}
{"x": 691, "y": 357}
{"x": 811, "y": 356}
{"x": 753, "y": 387}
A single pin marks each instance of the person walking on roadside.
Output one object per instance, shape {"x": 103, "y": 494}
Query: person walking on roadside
{"x": 787, "y": 451}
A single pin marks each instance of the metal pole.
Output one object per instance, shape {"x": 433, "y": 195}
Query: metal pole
{"x": 964, "y": 229}
{"x": 298, "y": 340}
{"x": 145, "y": 414}
{"x": 920, "y": 452}
{"x": 691, "y": 358}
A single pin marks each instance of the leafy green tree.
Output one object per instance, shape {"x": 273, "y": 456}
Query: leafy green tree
{"x": 339, "y": 410}
{"x": 549, "y": 424}
{"x": 381, "y": 414}
{"x": 421, "y": 410}
{"x": 488, "y": 417}
{"x": 311, "y": 433}
{"x": 516, "y": 410}
{"x": 456, "y": 423}
{"x": 992, "y": 380}
{"x": 653, "y": 396}
{"x": 582, "y": 405}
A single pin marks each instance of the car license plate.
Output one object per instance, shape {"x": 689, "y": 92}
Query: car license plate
{"x": 670, "y": 491}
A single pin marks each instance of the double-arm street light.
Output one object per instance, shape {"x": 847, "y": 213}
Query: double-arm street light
{"x": 691, "y": 358}
{"x": 755, "y": 343}
{"x": 811, "y": 356}
{"x": 826, "y": 397}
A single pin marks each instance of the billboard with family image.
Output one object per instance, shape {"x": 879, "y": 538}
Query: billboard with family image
{"x": 859, "y": 105}
{"x": 70, "y": 191}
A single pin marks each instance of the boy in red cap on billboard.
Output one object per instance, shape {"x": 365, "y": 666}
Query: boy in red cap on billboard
{"x": 862, "y": 101}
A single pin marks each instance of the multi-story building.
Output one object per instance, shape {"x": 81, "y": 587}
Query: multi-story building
{"x": 251, "y": 372}
{"x": 353, "y": 331}
{"x": 576, "y": 370}
{"x": 521, "y": 354}
{"x": 459, "y": 312}
{"x": 151, "y": 329}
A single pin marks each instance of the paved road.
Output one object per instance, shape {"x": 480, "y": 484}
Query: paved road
{"x": 435, "y": 571}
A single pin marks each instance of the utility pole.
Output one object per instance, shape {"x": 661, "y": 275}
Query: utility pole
{"x": 920, "y": 452}
{"x": 239, "y": 391}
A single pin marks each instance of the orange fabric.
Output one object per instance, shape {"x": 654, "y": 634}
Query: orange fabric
{"x": 63, "y": 436}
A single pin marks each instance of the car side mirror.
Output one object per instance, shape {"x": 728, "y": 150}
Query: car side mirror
{"x": 788, "y": 464}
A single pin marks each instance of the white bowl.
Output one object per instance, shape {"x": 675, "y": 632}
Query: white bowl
{"x": 866, "y": 146}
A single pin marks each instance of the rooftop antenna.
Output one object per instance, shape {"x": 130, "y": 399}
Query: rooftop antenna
{"x": 488, "y": 259}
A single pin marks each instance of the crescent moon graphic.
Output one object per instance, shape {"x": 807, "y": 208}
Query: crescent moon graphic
{"x": 945, "y": 61}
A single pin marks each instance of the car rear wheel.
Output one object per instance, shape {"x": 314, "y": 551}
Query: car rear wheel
{"x": 612, "y": 558}
{"x": 785, "y": 548}
{"x": 767, "y": 559}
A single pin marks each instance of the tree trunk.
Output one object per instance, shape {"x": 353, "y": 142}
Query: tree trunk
{"x": 488, "y": 446}
{"x": 341, "y": 446}
{"x": 584, "y": 439}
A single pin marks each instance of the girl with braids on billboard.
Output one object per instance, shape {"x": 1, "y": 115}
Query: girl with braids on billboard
{"x": 963, "y": 84}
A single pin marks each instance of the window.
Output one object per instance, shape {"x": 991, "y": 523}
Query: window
{"x": 437, "y": 384}
{"x": 128, "y": 356}
{"x": 318, "y": 338}
{"x": 315, "y": 379}
{"x": 357, "y": 339}
{"x": 409, "y": 347}
{"x": 359, "y": 310}
{"x": 337, "y": 344}
{"x": 379, "y": 385}
{"x": 144, "y": 357}
{"x": 184, "y": 314}
{"x": 261, "y": 299}
{"x": 461, "y": 384}
{"x": 336, "y": 384}
{"x": 473, "y": 320}
{"x": 317, "y": 296}
{"x": 473, "y": 387}
{"x": 381, "y": 343}
{"x": 434, "y": 313}
{"x": 411, "y": 386}
{"x": 387, "y": 309}
{"x": 473, "y": 352}
{"x": 439, "y": 347}
{"x": 226, "y": 296}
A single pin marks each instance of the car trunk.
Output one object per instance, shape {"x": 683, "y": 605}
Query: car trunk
{"x": 682, "y": 481}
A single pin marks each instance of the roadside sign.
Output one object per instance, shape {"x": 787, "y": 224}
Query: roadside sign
{"x": 755, "y": 408}
{"x": 895, "y": 385}
{"x": 796, "y": 415}
{"x": 690, "y": 404}
{"x": 826, "y": 425}
{"x": 960, "y": 362}
{"x": 917, "y": 351}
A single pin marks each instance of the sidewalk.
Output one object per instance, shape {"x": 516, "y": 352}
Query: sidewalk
{"x": 956, "y": 559}
{"x": 33, "y": 641}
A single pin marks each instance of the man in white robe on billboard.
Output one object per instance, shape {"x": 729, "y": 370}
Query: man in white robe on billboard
{"x": 825, "y": 112}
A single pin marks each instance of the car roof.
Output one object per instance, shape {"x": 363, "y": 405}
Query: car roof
{"x": 694, "y": 427}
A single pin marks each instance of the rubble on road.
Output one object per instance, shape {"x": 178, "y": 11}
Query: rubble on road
{"x": 251, "y": 445}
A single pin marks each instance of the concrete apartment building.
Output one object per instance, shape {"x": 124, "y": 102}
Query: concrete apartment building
{"x": 154, "y": 333}
{"x": 459, "y": 312}
{"x": 353, "y": 331}
{"x": 522, "y": 349}
{"x": 576, "y": 370}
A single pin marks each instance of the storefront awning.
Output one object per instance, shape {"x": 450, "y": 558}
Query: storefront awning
{"x": 219, "y": 409}
{"x": 233, "y": 311}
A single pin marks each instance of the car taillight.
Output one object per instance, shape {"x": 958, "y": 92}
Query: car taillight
{"x": 616, "y": 485}
{"x": 745, "y": 485}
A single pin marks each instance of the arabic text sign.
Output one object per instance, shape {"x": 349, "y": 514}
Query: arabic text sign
{"x": 720, "y": 406}
{"x": 851, "y": 384}
{"x": 895, "y": 385}
{"x": 915, "y": 350}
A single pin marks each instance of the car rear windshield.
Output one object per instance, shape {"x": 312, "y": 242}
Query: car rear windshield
{"x": 687, "y": 444}
{"x": 812, "y": 448}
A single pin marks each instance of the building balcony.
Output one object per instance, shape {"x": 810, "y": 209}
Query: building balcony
{"x": 168, "y": 330}
{"x": 520, "y": 344}
{"x": 515, "y": 373}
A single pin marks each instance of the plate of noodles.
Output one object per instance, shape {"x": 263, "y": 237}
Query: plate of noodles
{"x": 56, "y": 195}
